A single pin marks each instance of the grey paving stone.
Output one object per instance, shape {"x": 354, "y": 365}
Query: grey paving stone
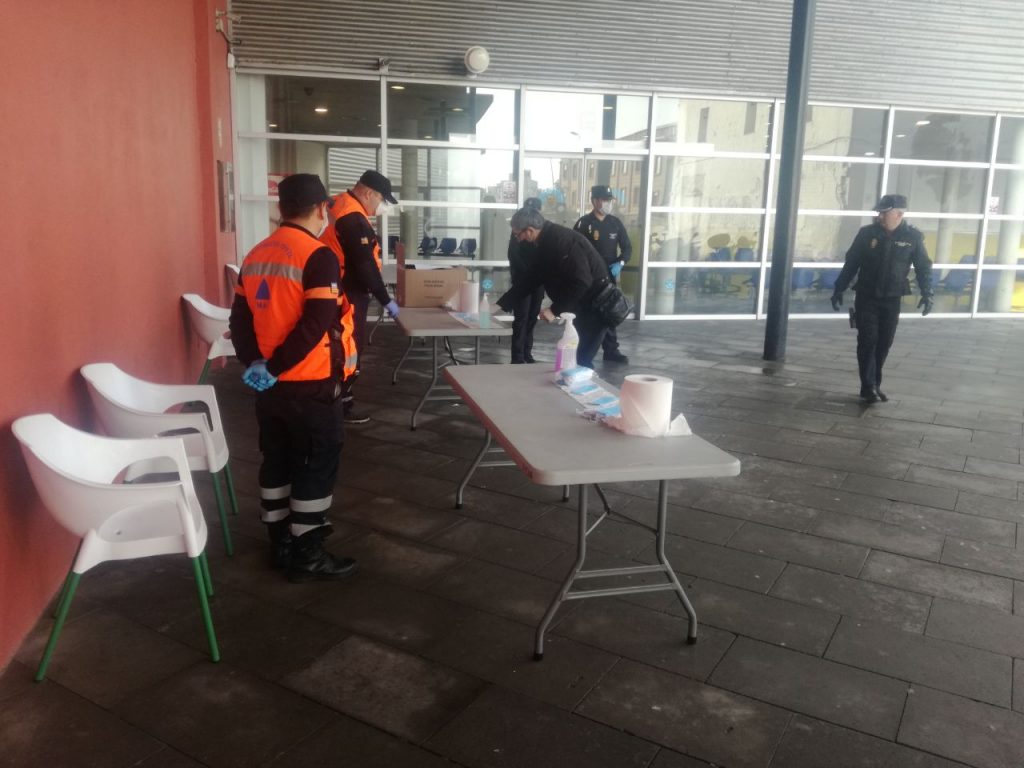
{"x": 399, "y": 560}
{"x": 501, "y": 651}
{"x": 977, "y": 626}
{"x": 977, "y": 734}
{"x": 810, "y": 743}
{"x": 930, "y": 454}
{"x": 687, "y": 716}
{"x": 964, "y": 481}
{"x": 168, "y": 758}
{"x": 668, "y": 759}
{"x": 863, "y": 464}
{"x": 495, "y": 589}
{"x": 898, "y": 490}
{"x": 943, "y": 522}
{"x": 51, "y": 726}
{"x": 1018, "y": 685}
{"x": 399, "y": 693}
{"x": 833, "y": 499}
{"x": 812, "y": 686}
{"x": 879, "y": 535}
{"x": 497, "y": 544}
{"x": 988, "y": 424}
{"x": 768, "y": 511}
{"x": 836, "y": 445}
{"x": 645, "y": 635}
{"x": 197, "y": 728}
{"x": 853, "y": 597}
{"x": 399, "y": 516}
{"x": 1010, "y": 471}
{"x": 612, "y": 535}
{"x": 752, "y": 614}
{"x": 940, "y": 664}
{"x": 502, "y": 508}
{"x": 814, "y": 551}
{"x": 792, "y": 470}
{"x": 989, "y": 506}
{"x": 754, "y": 447}
{"x": 345, "y": 741}
{"x": 505, "y": 730}
{"x": 987, "y": 558}
{"x": 874, "y": 435}
{"x": 939, "y": 580}
{"x": 728, "y": 566}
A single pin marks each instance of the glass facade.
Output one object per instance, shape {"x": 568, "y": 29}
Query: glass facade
{"x": 695, "y": 182}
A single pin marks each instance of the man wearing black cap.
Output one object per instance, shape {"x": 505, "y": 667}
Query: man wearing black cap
{"x": 608, "y": 236}
{"x": 292, "y": 327}
{"x": 354, "y": 241}
{"x": 521, "y": 258}
{"x": 881, "y": 256}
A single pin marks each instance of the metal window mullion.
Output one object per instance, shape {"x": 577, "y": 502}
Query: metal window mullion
{"x": 983, "y": 232}
{"x": 890, "y": 121}
{"x": 645, "y": 253}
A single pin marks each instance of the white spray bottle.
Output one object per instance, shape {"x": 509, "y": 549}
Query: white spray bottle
{"x": 565, "y": 349}
{"x": 484, "y": 313}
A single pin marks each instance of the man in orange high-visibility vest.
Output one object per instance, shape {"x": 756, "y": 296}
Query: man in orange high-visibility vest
{"x": 293, "y": 328}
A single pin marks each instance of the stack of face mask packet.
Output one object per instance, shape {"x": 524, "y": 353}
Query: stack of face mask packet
{"x": 598, "y": 403}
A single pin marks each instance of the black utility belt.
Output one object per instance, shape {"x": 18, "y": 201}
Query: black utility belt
{"x": 327, "y": 390}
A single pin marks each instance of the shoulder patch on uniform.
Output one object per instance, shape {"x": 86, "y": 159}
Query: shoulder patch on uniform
{"x": 334, "y": 288}
{"x": 874, "y": 242}
{"x": 364, "y": 240}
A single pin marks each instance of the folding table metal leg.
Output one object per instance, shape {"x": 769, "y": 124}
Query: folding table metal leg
{"x": 408, "y": 349}
{"x": 581, "y": 555}
{"x": 433, "y": 381}
{"x": 691, "y": 635}
{"x": 472, "y": 468}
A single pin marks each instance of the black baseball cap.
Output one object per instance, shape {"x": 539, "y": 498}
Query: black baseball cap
{"x": 891, "y": 201}
{"x": 533, "y": 202}
{"x": 601, "y": 192}
{"x": 301, "y": 190}
{"x": 379, "y": 183}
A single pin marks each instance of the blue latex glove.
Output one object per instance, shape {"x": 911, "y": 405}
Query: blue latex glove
{"x": 258, "y": 377}
{"x": 615, "y": 269}
{"x": 392, "y": 308}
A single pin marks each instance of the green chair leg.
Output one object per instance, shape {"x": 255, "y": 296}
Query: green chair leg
{"x": 70, "y": 585}
{"x": 64, "y": 586}
{"x": 206, "y": 370}
{"x": 204, "y": 608}
{"x": 208, "y": 582}
{"x": 223, "y": 515}
{"x": 231, "y": 487}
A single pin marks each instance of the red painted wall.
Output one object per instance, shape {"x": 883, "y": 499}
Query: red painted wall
{"x": 114, "y": 114}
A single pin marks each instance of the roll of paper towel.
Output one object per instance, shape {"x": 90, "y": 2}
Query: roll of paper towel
{"x": 646, "y": 403}
{"x": 469, "y": 298}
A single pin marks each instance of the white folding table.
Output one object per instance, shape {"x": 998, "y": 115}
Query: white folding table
{"x": 437, "y": 324}
{"x": 540, "y": 431}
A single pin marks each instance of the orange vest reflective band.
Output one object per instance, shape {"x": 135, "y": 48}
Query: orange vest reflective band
{"x": 343, "y": 205}
{"x": 271, "y": 281}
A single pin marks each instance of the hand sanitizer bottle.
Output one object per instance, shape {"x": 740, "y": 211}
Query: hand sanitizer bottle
{"x": 565, "y": 349}
{"x": 484, "y": 316}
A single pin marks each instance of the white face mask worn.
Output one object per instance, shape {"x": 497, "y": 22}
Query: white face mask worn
{"x": 327, "y": 221}
{"x": 605, "y": 207}
{"x": 385, "y": 208}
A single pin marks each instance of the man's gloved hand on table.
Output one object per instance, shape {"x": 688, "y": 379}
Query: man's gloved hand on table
{"x": 925, "y": 305}
{"x": 837, "y": 300}
{"x": 616, "y": 269}
{"x": 392, "y": 308}
{"x": 258, "y": 377}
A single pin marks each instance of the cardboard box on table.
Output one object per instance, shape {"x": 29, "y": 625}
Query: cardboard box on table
{"x": 429, "y": 287}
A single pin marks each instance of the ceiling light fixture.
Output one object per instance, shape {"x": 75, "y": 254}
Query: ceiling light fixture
{"x": 901, "y": 135}
{"x": 476, "y": 60}
{"x": 923, "y": 122}
{"x": 320, "y": 110}
{"x": 271, "y": 125}
{"x": 397, "y": 87}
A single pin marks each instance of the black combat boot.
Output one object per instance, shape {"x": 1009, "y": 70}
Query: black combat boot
{"x": 311, "y": 562}
{"x": 280, "y": 544}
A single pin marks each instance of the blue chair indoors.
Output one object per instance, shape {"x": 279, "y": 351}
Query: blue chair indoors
{"x": 802, "y": 280}
{"x": 467, "y": 247}
{"x": 447, "y": 246}
{"x": 427, "y": 245}
{"x": 754, "y": 282}
{"x": 959, "y": 282}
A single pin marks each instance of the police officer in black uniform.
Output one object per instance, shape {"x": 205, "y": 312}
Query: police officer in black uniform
{"x": 571, "y": 273}
{"x": 881, "y": 256}
{"x": 608, "y": 236}
{"x": 521, "y": 256}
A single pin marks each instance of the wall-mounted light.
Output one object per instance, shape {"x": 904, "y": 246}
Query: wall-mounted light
{"x": 477, "y": 60}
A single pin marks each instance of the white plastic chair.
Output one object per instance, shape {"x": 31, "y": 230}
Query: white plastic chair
{"x": 211, "y": 323}
{"x": 79, "y": 478}
{"x": 130, "y": 407}
{"x": 231, "y": 273}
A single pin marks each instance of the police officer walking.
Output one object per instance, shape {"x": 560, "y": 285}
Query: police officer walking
{"x": 571, "y": 273}
{"x": 292, "y": 326}
{"x": 521, "y": 258}
{"x": 354, "y": 241}
{"x": 880, "y": 257}
{"x": 608, "y": 236}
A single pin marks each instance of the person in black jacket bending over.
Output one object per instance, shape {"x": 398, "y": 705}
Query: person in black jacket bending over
{"x": 608, "y": 235}
{"x": 881, "y": 256}
{"x": 521, "y": 256}
{"x": 571, "y": 272}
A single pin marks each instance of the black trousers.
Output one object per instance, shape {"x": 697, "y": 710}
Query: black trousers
{"x": 610, "y": 343}
{"x": 524, "y": 319}
{"x": 591, "y": 331}
{"x": 301, "y": 434}
{"x": 876, "y": 328}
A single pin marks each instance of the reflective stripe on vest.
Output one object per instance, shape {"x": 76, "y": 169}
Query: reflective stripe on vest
{"x": 341, "y": 206}
{"x": 271, "y": 281}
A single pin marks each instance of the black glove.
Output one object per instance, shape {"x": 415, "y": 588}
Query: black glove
{"x": 837, "y": 300}
{"x": 925, "y": 305}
